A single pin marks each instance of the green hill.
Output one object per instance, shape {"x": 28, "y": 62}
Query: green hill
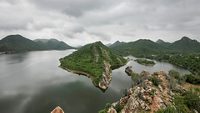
{"x": 18, "y": 43}
{"x": 185, "y": 45}
{"x": 52, "y": 44}
{"x": 140, "y": 47}
{"x": 95, "y": 61}
{"x": 145, "y": 47}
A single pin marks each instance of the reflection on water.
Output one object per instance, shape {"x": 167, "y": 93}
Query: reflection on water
{"x": 73, "y": 97}
{"x": 32, "y": 82}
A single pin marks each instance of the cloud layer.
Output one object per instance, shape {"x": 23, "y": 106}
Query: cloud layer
{"x": 78, "y": 22}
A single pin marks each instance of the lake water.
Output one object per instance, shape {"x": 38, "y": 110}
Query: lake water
{"x": 32, "y": 82}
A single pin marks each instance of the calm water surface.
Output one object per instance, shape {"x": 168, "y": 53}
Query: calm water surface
{"x": 32, "y": 82}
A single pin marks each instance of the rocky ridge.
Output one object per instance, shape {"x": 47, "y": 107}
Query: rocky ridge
{"x": 145, "y": 96}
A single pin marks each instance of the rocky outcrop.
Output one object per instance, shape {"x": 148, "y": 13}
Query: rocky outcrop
{"x": 106, "y": 77}
{"x": 145, "y": 96}
{"x": 129, "y": 70}
{"x": 57, "y": 110}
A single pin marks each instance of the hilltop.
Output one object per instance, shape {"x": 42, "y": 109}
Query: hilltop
{"x": 95, "y": 61}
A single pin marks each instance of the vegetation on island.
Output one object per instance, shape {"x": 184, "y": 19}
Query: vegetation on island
{"x": 90, "y": 59}
{"x": 145, "y": 61}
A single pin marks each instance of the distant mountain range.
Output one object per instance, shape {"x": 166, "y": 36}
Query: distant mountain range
{"x": 141, "y": 47}
{"x": 144, "y": 47}
{"x": 18, "y": 43}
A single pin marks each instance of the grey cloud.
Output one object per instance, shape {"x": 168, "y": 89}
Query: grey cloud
{"x": 83, "y": 21}
{"x": 102, "y": 36}
{"x": 73, "y": 7}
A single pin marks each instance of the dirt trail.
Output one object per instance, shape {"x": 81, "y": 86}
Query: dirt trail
{"x": 96, "y": 54}
{"x": 189, "y": 86}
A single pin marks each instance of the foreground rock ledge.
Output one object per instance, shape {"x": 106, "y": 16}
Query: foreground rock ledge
{"x": 57, "y": 110}
{"x": 145, "y": 96}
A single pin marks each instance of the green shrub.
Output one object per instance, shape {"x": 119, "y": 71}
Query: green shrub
{"x": 103, "y": 111}
{"x": 192, "y": 79}
{"x": 180, "y": 105}
{"x": 135, "y": 78}
{"x": 108, "y": 105}
{"x": 180, "y": 78}
{"x": 118, "y": 107}
{"x": 175, "y": 74}
{"x": 169, "y": 109}
{"x": 192, "y": 100}
{"x": 155, "y": 80}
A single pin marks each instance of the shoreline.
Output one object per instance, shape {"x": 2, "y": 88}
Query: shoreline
{"x": 83, "y": 74}
{"x": 76, "y": 72}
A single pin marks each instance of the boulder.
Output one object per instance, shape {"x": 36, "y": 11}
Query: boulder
{"x": 57, "y": 110}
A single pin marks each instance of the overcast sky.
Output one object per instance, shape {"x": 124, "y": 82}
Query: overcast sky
{"x": 78, "y": 22}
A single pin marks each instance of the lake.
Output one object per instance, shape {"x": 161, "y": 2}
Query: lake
{"x": 32, "y": 82}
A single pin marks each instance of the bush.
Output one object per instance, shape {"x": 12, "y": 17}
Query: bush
{"x": 155, "y": 80}
{"x": 103, "y": 111}
{"x": 135, "y": 78}
{"x": 118, "y": 107}
{"x": 169, "y": 109}
{"x": 175, "y": 74}
{"x": 192, "y": 79}
{"x": 192, "y": 100}
{"x": 172, "y": 83}
{"x": 108, "y": 105}
{"x": 180, "y": 78}
{"x": 180, "y": 105}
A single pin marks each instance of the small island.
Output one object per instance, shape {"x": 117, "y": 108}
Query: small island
{"x": 95, "y": 61}
{"x": 145, "y": 62}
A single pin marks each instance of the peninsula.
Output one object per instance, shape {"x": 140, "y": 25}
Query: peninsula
{"x": 95, "y": 61}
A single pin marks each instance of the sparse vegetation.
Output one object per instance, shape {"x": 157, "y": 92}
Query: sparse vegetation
{"x": 184, "y": 103}
{"x": 192, "y": 79}
{"x": 154, "y": 80}
{"x": 118, "y": 108}
{"x": 135, "y": 78}
{"x": 180, "y": 78}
